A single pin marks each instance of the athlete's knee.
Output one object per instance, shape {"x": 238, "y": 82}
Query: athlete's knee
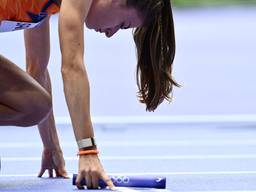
{"x": 37, "y": 111}
{"x": 42, "y": 107}
{"x": 35, "y": 118}
{"x": 32, "y": 119}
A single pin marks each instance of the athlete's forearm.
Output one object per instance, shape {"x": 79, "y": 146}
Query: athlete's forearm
{"x": 47, "y": 127}
{"x": 77, "y": 93}
{"x": 48, "y": 133}
{"x": 76, "y": 84}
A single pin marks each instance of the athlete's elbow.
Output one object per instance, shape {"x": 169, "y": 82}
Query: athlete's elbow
{"x": 72, "y": 70}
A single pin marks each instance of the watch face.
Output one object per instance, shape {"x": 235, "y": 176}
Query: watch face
{"x": 85, "y": 143}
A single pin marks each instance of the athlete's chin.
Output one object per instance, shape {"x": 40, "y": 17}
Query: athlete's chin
{"x": 88, "y": 25}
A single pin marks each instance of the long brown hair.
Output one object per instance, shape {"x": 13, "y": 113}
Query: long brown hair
{"x": 155, "y": 43}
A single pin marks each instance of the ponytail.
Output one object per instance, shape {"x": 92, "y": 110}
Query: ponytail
{"x": 155, "y": 43}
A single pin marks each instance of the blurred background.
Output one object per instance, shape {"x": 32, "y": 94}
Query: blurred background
{"x": 215, "y": 64}
{"x": 195, "y": 3}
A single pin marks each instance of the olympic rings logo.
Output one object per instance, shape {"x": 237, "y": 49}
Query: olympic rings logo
{"x": 120, "y": 179}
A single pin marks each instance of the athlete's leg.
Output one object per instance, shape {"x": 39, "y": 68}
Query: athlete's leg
{"x": 23, "y": 101}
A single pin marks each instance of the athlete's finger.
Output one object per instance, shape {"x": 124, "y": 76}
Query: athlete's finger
{"x": 79, "y": 178}
{"x": 88, "y": 180}
{"x": 61, "y": 173}
{"x": 50, "y": 171}
{"x": 108, "y": 181}
{"x": 95, "y": 180}
{"x": 58, "y": 174}
{"x": 41, "y": 172}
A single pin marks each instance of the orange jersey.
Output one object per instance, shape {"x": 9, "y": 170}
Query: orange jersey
{"x": 27, "y": 10}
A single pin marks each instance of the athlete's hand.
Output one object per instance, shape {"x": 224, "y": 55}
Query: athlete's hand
{"x": 91, "y": 170}
{"x": 52, "y": 159}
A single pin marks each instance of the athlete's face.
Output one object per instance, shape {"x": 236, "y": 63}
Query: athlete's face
{"x": 108, "y": 16}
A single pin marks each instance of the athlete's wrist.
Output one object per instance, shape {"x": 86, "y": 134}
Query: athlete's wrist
{"x": 55, "y": 148}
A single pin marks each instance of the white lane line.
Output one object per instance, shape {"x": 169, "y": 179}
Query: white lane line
{"x": 157, "y": 173}
{"x": 158, "y": 157}
{"x": 124, "y": 189}
{"x": 134, "y": 143}
{"x": 163, "y": 119}
{"x": 224, "y": 191}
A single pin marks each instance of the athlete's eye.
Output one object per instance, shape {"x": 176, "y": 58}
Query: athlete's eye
{"x": 123, "y": 26}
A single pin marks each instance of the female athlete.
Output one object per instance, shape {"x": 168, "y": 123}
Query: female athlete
{"x": 25, "y": 97}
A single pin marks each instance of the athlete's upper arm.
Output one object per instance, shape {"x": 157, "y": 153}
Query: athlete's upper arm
{"x": 37, "y": 44}
{"x": 71, "y": 28}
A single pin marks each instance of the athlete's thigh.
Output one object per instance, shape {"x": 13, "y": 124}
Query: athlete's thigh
{"x": 17, "y": 88}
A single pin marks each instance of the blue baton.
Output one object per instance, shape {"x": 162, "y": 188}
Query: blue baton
{"x": 131, "y": 181}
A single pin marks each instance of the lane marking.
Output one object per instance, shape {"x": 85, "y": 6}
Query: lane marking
{"x": 124, "y": 189}
{"x": 192, "y": 173}
{"x": 157, "y": 173}
{"x": 158, "y": 157}
{"x": 163, "y": 119}
{"x": 157, "y": 143}
{"x": 224, "y": 191}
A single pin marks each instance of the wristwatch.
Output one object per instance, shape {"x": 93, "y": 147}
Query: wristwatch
{"x": 86, "y": 143}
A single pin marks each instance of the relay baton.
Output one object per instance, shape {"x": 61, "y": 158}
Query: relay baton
{"x": 130, "y": 181}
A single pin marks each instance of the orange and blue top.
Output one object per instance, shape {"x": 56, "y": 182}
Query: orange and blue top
{"x": 28, "y": 10}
